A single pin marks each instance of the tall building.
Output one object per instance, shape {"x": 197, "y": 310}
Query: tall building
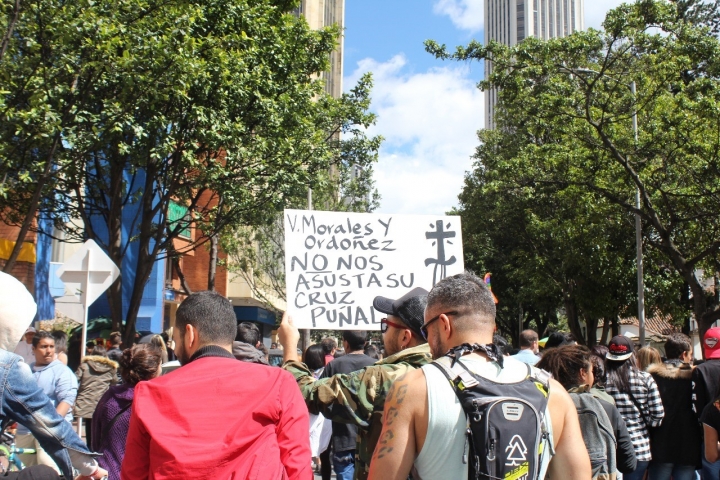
{"x": 324, "y": 13}
{"x": 511, "y": 21}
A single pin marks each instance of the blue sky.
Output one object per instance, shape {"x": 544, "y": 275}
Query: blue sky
{"x": 428, "y": 110}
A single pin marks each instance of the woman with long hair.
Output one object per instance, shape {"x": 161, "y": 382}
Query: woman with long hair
{"x": 111, "y": 420}
{"x": 572, "y": 366}
{"x": 637, "y": 399}
{"x": 647, "y": 356}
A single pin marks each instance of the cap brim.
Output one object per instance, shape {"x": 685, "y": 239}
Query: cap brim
{"x": 384, "y": 305}
{"x": 617, "y": 358}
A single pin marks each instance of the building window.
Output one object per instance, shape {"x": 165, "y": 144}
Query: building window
{"x": 179, "y": 215}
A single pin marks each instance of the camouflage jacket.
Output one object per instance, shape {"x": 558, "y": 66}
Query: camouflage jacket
{"x": 358, "y": 397}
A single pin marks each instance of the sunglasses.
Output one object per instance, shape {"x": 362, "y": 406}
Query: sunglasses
{"x": 423, "y": 329}
{"x": 385, "y": 323}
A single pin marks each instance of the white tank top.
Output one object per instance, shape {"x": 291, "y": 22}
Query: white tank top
{"x": 441, "y": 455}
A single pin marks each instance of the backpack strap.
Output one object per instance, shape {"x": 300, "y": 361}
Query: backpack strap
{"x": 457, "y": 370}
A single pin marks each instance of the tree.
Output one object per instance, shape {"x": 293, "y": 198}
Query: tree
{"x": 257, "y": 253}
{"x": 567, "y": 106}
{"x": 213, "y": 105}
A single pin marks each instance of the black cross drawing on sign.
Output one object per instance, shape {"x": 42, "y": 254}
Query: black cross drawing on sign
{"x": 439, "y": 236}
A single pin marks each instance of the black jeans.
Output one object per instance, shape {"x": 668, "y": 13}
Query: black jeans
{"x": 37, "y": 472}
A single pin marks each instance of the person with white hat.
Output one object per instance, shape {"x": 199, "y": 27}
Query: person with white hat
{"x": 22, "y": 401}
{"x": 24, "y": 347}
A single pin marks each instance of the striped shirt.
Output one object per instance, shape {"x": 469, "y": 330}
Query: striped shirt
{"x": 644, "y": 392}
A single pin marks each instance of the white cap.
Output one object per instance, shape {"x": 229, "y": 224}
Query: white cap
{"x": 17, "y": 310}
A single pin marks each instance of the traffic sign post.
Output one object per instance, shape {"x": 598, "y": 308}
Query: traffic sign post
{"x": 87, "y": 274}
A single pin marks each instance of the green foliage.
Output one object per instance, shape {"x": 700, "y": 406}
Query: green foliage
{"x": 257, "y": 253}
{"x": 565, "y": 165}
{"x": 217, "y": 105}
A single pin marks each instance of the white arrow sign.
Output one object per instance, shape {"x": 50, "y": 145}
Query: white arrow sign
{"x": 88, "y": 273}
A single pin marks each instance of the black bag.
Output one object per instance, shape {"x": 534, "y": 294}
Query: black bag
{"x": 506, "y": 434}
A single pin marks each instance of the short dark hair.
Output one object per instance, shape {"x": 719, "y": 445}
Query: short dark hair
{"x": 527, "y": 338}
{"x": 248, "y": 332}
{"x": 677, "y": 344}
{"x": 355, "y": 339}
{"x": 372, "y": 351}
{"x": 211, "y": 314}
{"x": 39, "y": 335}
{"x": 556, "y": 339}
{"x": 116, "y": 338}
{"x": 329, "y": 344}
{"x": 467, "y": 293}
{"x": 314, "y": 357}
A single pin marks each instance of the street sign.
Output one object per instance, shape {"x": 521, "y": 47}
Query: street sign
{"x": 88, "y": 273}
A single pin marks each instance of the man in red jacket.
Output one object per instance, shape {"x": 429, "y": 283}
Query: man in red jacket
{"x": 215, "y": 417}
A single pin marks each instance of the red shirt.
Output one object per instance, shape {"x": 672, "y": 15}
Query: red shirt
{"x": 218, "y": 418}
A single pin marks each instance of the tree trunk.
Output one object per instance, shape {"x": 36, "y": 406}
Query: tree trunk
{"x": 33, "y": 208}
{"x": 115, "y": 247}
{"x": 606, "y": 330}
{"x": 574, "y": 320}
{"x": 591, "y": 331}
{"x": 10, "y": 28}
{"x": 145, "y": 260}
{"x": 212, "y": 267}
{"x": 181, "y": 275}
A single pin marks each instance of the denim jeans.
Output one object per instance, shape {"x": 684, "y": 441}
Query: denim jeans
{"x": 663, "y": 471}
{"x": 344, "y": 464}
{"x": 638, "y": 473}
{"x": 710, "y": 471}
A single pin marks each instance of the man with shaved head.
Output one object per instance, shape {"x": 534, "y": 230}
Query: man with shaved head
{"x": 424, "y": 424}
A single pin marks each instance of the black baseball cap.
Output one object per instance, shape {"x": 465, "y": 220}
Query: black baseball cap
{"x": 410, "y": 308}
{"x": 619, "y": 349}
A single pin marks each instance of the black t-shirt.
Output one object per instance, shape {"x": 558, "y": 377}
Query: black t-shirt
{"x": 344, "y": 435}
{"x": 711, "y": 417}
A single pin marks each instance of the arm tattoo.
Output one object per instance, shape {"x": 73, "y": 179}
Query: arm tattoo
{"x": 384, "y": 449}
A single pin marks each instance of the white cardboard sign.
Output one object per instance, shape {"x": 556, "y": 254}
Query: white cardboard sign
{"x": 336, "y": 263}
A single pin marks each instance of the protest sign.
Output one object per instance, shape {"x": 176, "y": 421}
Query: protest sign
{"x": 336, "y": 263}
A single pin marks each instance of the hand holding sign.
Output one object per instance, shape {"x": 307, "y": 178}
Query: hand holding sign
{"x": 289, "y": 337}
{"x": 336, "y": 263}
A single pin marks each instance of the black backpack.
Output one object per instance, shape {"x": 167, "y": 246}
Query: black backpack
{"x": 506, "y": 434}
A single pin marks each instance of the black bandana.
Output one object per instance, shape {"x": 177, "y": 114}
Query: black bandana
{"x": 491, "y": 350}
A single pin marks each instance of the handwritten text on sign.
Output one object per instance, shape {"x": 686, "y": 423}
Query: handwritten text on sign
{"x": 337, "y": 263}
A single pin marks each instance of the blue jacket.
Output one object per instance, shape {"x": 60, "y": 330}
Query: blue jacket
{"x": 21, "y": 400}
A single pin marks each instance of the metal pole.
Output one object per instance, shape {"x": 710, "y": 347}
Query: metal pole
{"x": 638, "y": 235}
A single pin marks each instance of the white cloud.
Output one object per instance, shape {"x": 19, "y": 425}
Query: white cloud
{"x": 465, "y": 14}
{"x": 429, "y": 121}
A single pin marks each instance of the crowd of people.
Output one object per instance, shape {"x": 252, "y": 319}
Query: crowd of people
{"x": 419, "y": 407}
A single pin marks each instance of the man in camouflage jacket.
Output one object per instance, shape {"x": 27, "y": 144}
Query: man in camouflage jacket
{"x": 359, "y": 397}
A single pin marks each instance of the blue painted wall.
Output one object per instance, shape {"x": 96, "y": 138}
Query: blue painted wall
{"x": 150, "y": 316}
{"x": 43, "y": 251}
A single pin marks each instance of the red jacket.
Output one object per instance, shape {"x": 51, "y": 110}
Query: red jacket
{"x": 218, "y": 418}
